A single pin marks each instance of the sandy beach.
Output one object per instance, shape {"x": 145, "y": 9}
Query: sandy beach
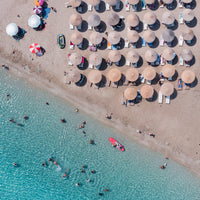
{"x": 176, "y": 126}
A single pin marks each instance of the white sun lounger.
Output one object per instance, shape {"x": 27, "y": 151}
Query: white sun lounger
{"x": 160, "y": 100}
{"x": 180, "y": 41}
{"x": 127, "y": 6}
{"x": 169, "y": 79}
{"x": 149, "y": 82}
{"x": 71, "y": 27}
{"x": 181, "y": 21}
{"x": 162, "y": 61}
{"x": 162, "y": 42}
{"x": 107, "y": 7}
{"x": 69, "y": 62}
{"x": 145, "y": 26}
{"x": 90, "y": 27}
{"x": 126, "y": 43}
{"x": 128, "y": 63}
{"x": 181, "y": 62}
{"x": 167, "y": 101}
{"x": 91, "y": 66}
{"x": 142, "y": 79}
{"x": 90, "y": 7}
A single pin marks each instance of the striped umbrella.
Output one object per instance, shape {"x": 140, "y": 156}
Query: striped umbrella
{"x": 37, "y": 9}
{"x": 34, "y": 48}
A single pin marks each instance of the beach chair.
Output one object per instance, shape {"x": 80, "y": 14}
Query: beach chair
{"x": 126, "y": 43}
{"x": 145, "y": 26}
{"x": 142, "y": 79}
{"x": 181, "y": 21}
{"x": 69, "y": 62}
{"x": 117, "y": 7}
{"x": 90, "y": 7}
{"x": 160, "y": 97}
{"x": 97, "y": 7}
{"x": 80, "y": 9}
{"x": 148, "y": 82}
{"x": 91, "y": 66}
{"x": 71, "y": 45}
{"x": 128, "y": 63}
{"x": 109, "y": 46}
{"x": 167, "y": 100}
{"x": 180, "y": 40}
{"x": 143, "y": 42}
{"x": 71, "y": 27}
{"x": 127, "y": 6}
{"x": 162, "y": 61}
{"x": 90, "y": 27}
{"x": 162, "y": 41}
{"x": 79, "y": 27}
{"x": 187, "y": 64}
{"x": 131, "y": 103}
{"x": 107, "y": 7}
{"x": 143, "y": 5}
{"x": 162, "y": 79}
{"x": 134, "y": 7}
{"x": 150, "y": 44}
{"x": 181, "y": 61}
{"x": 180, "y": 84}
{"x": 180, "y": 4}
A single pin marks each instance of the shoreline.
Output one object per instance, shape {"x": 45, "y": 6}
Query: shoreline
{"x": 59, "y": 90}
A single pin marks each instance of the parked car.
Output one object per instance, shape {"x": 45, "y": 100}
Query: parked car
{"x": 61, "y": 41}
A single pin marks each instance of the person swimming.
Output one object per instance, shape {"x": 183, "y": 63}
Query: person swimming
{"x": 63, "y": 120}
{"x": 77, "y": 184}
{"x": 15, "y": 164}
{"x": 91, "y": 141}
{"x": 25, "y": 117}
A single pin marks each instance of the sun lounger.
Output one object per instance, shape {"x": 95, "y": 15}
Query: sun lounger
{"x": 180, "y": 41}
{"x": 142, "y": 79}
{"x": 127, "y": 6}
{"x": 79, "y": 27}
{"x": 143, "y": 42}
{"x": 71, "y": 27}
{"x": 181, "y": 21}
{"x": 162, "y": 41}
{"x": 90, "y": 27}
{"x": 180, "y": 84}
{"x": 187, "y": 64}
{"x": 131, "y": 103}
{"x": 167, "y": 100}
{"x": 139, "y": 96}
{"x": 108, "y": 83}
{"x": 82, "y": 62}
{"x": 91, "y": 66}
{"x": 160, "y": 97}
{"x": 181, "y": 62}
{"x": 162, "y": 61}
{"x": 149, "y": 82}
{"x": 107, "y": 7}
{"x": 71, "y": 45}
{"x": 114, "y": 85}
{"x": 143, "y": 5}
{"x": 89, "y": 7}
{"x": 69, "y": 62}
{"x": 158, "y": 60}
{"x": 126, "y": 43}
{"x": 109, "y": 46}
{"x": 145, "y": 26}
{"x": 80, "y": 9}
{"x": 128, "y": 63}
{"x": 117, "y": 7}
{"x": 180, "y": 4}
{"x": 97, "y": 7}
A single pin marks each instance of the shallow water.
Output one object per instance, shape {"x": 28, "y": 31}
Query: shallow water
{"x": 133, "y": 174}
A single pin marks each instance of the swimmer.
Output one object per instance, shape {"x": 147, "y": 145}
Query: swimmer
{"x": 91, "y": 142}
{"x": 77, "y": 184}
{"x": 25, "y": 117}
{"x": 84, "y": 122}
{"x": 8, "y": 96}
{"x": 83, "y": 166}
{"x": 44, "y": 164}
{"x": 100, "y": 194}
{"x": 93, "y": 172}
{"x": 47, "y": 103}
{"x": 89, "y": 180}
{"x": 50, "y": 160}
{"x": 106, "y": 190}
{"x": 63, "y": 120}
{"x": 15, "y": 164}
{"x": 12, "y": 120}
{"x": 84, "y": 133}
{"x": 82, "y": 171}
{"x": 81, "y": 126}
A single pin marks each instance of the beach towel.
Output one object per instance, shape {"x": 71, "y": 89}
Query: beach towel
{"x": 45, "y": 12}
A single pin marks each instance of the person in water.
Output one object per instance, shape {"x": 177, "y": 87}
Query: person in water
{"x": 63, "y": 120}
{"x": 25, "y": 117}
{"x": 12, "y": 120}
{"x": 15, "y": 164}
{"x": 77, "y": 184}
{"x": 44, "y": 164}
{"x": 91, "y": 141}
{"x": 47, "y": 103}
{"x": 93, "y": 172}
{"x": 106, "y": 190}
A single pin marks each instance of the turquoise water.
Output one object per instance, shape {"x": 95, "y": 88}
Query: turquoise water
{"x": 131, "y": 175}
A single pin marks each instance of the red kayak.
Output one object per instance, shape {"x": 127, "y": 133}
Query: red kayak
{"x": 116, "y": 144}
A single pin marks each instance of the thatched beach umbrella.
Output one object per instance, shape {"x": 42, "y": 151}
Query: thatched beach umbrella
{"x": 188, "y": 15}
{"x": 132, "y": 20}
{"x": 12, "y": 29}
{"x": 112, "y": 2}
{"x": 114, "y": 75}
{"x": 133, "y": 2}
{"x": 168, "y": 1}
{"x": 168, "y": 70}
{"x": 168, "y": 18}
{"x": 149, "y": 73}
{"x": 94, "y": 20}
{"x": 34, "y": 21}
{"x": 186, "y": 1}
{"x": 151, "y": 55}
{"x": 133, "y": 36}
{"x": 132, "y": 74}
{"x": 75, "y": 19}
{"x": 188, "y": 76}
{"x": 95, "y": 59}
{"x": 95, "y": 38}
{"x": 130, "y": 93}
{"x": 133, "y": 56}
{"x": 188, "y": 35}
{"x": 114, "y": 56}
{"x": 94, "y": 2}
{"x": 114, "y": 37}
{"x": 76, "y": 58}
{"x": 167, "y": 89}
{"x": 149, "y": 36}
{"x": 147, "y": 91}
{"x": 150, "y": 1}
{"x": 75, "y": 3}
{"x": 94, "y": 76}
{"x": 168, "y": 54}
{"x": 149, "y": 18}
{"x": 113, "y": 19}
{"x": 168, "y": 35}
{"x": 73, "y": 75}
{"x": 76, "y": 38}
{"x": 187, "y": 54}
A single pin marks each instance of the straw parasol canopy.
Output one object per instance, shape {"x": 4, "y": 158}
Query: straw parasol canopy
{"x": 114, "y": 55}
{"x": 149, "y": 1}
{"x": 188, "y": 76}
{"x": 112, "y": 2}
{"x": 168, "y": 35}
{"x": 168, "y": 54}
{"x": 75, "y": 19}
{"x": 130, "y": 93}
{"x": 94, "y": 2}
{"x": 186, "y": 54}
{"x": 114, "y": 75}
{"x": 75, "y": 3}
{"x": 168, "y": 70}
{"x": 188, "y": 15}
{"x": 76, "y": 58}
{"x": 94, "y": 20}
{"x": 73, "y": 75}
{"x": 133, "y": 56}
{"x": 186, "y": 1}
{"x": 133, "y": 2}
{"x": 132, "y": 20}
{"x": 147, "y": 91}
{"x": 133, "y": 36}
{"x": 95, "y": 38}
{"x": 95, "y": 59}
{"x": 150, "y": 18}
{"x": 188, "y": 35}
{"x": 34, "y": 21}
{"x": 114, "y": 37}
{"x": 168, "y": 18}
{"x": 168, "y": 1}
{"x": 151, "y": 55}
{"x": 94, "y": 76}
{"x": 167, "y": 89}
{"x": 76, "y": 38}
{"x": 132, "y": 74}
{"x": 149, "y": 36}
{"x": 12, "y": 29}
{"x": 149, "y": 73}
{"x": 113, "y": 19}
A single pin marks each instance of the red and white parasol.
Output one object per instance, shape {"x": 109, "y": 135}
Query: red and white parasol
{"x": 37, "y": 9}
{"x": 34, "y": 48}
